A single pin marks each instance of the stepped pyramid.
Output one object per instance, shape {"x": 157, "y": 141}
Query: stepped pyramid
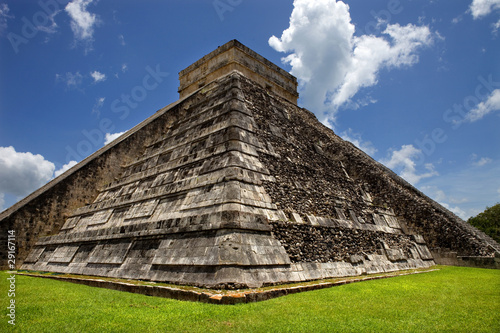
{"x": 233, "y": 186}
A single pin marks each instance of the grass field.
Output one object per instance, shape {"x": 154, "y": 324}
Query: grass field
{"x": 452, "y": 299}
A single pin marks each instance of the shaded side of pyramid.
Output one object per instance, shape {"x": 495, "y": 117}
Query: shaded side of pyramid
{"x": 322, "y": 180}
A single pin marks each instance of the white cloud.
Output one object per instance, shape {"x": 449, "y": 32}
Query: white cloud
{"x": 71, "y": 80}
{"x": 4, "y": 15}
{"x": 496, "y": 26}
{"x": 480, "y": 8}
{"x": 457, "y": 19}
{"x": 457, "y": 201}
{"x": 98, "y": 76}
{"x": 328, "y": 123}
{"x": 52, "y": 27}
{"x": 456, "y": 210}
{"x": 122, "y": 40}
{"x": 370, "y": 54}
{"x": 483, "y": 161}
{"x": 2, "y": 201}
{"x": 491, "y": 104}
{"x": 98, "y": 105}
{"x": 402, "y": 161}
{"x": 110, "y": 137}
{"x": 465, "y": 190}
{"x": 355, "y": 139}
{"x": 361, "y": 102}
{"x": 124, "y": 68}
{"x": 22, "y": 173}
{"x": 439, "y": 196}
{"x": 49, "y": 27}
{"x": 64, "y": 168}
{"x": 82, "y": 21}
{"x": 434, "y": 192}
{"x": 332, "y": 64}
{"x": 75, "y": 80}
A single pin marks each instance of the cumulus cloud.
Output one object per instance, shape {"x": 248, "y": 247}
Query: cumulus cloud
{"x": 82, "y": 21}
{"x": 111, "y": 136}
{"x": 65, "y": 168}
{"x": 403, "y": 161}
{"x": 22, "y": 173}
{"x": 491, "y": 104}
{"x": 481, "y": 8}
{"x": 98, "y": 76}
{"x": 355, "y": 139}
{"x": 370, "y": 54}
{"x": 332, "y": 64}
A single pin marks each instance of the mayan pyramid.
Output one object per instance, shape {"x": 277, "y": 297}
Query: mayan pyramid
{"x": 234, "y": 186}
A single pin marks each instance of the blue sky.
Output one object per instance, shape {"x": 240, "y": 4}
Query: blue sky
{"x": 415, "y": 84}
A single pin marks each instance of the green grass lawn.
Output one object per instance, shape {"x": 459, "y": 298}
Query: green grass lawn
{"x": 452, "y": 299}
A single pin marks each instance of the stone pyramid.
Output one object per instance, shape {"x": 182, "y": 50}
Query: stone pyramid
{"x": 234, "y": 186}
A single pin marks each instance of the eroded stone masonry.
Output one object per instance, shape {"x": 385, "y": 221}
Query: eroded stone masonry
{"x": 234, "y": 186}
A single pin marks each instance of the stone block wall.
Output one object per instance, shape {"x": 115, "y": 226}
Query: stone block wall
{"x": 236, "y": 56}
{"x": 319, "y": 174}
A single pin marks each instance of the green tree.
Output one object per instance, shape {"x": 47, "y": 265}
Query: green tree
{"x": 488, "y": 222}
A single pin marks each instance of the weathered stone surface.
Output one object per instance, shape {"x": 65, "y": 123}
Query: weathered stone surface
{"x": 236, "y": 56}
{"x": 234, "y": 186}
{"x": 343, "y": 183}
{"x": 310, "y": 243}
